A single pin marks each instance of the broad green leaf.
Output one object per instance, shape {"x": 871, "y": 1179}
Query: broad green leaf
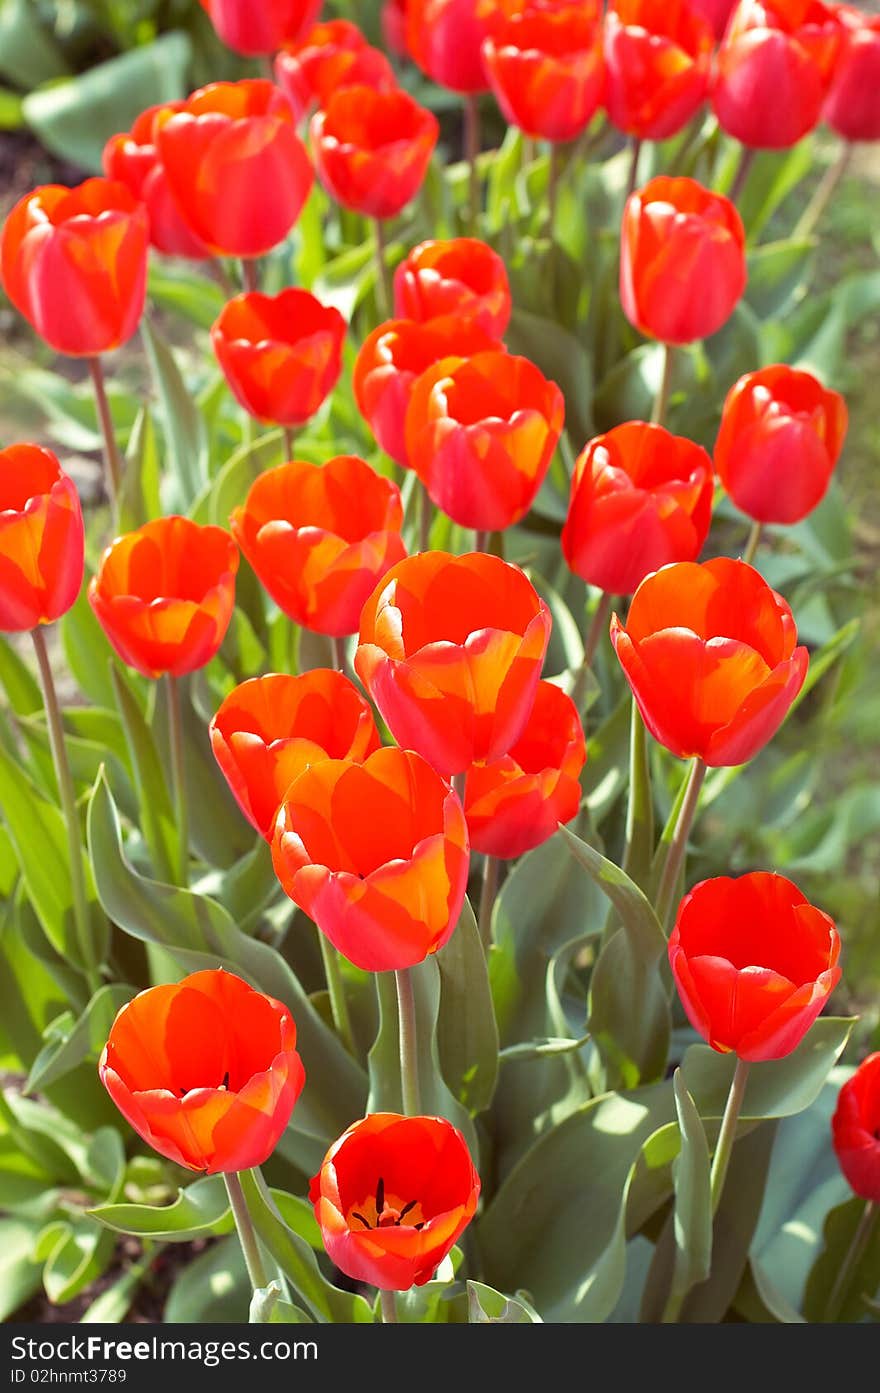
{"x": 83, "y": 1040}
{"x": 489, "y": 1307}
{"x": 839, "y": 1234}
{"x": 692, "y": 1216}
{"x": 157, "y": 814}
{"x": 185, "y": 288}
{"x": 21, "y": 687}
{"x": 182, "y": 424}
{"x": 267, "y": 1309}
{"x": 139, "y": 500}
{"x": 563, "y": 359}
{"x": 20, "y": 1276}
{"x": 29, "y": 54}
{"x": 201, "y": 1210}
{"x": 114, "y": 1303}
{"x": 87, "y": 650}
{"x": 467, "y": 1035}
{"x": 213, "y": 1289}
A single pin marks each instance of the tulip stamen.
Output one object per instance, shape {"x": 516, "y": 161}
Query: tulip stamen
{"x": 224, "y": 1084}
{"x": 380, "y": 1197}
{"x": 390, "y": 1217}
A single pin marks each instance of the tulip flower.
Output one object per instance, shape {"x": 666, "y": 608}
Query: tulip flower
{"x": 235, "y": 165}
{"x": 480, "y": 433}
{"x": 716, "y": 12}
{"x": 132, "y": 159}
{"x": 855, "y": 1129}
{"x": 205, "y": 1070}
{"x": 754, "y": 963}
{"x": 331, "y": 55}
{"x": 372, "y": 149}
{"x": 450, "y": 650}
{"x": 392, "y": 1197}
{"x": 515, "y": 803}
{"x": 262, "y": 27}
{"x": 376, "y": 853}
{"x": 462, "y": 277}
{"x": 164, "y": 595}
{"x": 393, "y": 19}
{"x": 773, "y": 70}
{"x": 677, "y": 235}
{"x": 640, "y": 498}
{"x": 393, "y": 356}
{"x": 445, "y": 39}
{"x": 41, "y": 539}
{"x": 780, "y": 437}
{"x": 74, "y": 263}
{"x": 281, "y": 354}
{"x": 319, "y": 538}
{"x": 546, "y": 70}
{"x": 269, "y": 729}
{"x": 852, "y": 107}
{"x": 710, "y": 653}
{"x": 657, "y": 62}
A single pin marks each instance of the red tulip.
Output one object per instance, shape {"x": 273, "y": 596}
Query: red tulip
{"x": 676, "y": 235}
{"x": 855, "y": 1129}
{"x": 235, "y": 165}
{"x": 480, "y": 434}
{"x": 640, "y": 498}
{"x": 164, "y": 595}
{"x": 392, "y": 1196}
{"x": 450, "y": 650}
{"x": 716, "y": 13}
{"x": 753, "y": 962}
{"x": 131, "y": 158}
{"x": 41, "y": 539}
{"x": 773, "y": 70}
{"x": 393, "y": 356}
{"x": 709, "y": 651}
{"x": 377, "y": 854}
{"x": 515, "y": 803}
{"x": 260, "y": 26}
{"x": 852, "y": 107}
{"x": 462, "y": 277}
{"x": 657, "y": 58}
{"x": 394, "y": 27}
{"x": 205, "y": 1070}
{"x": 546, "y": 69}
{"x": 331, "y": 55}
{"x": 445, "y": 39}
{"x": 74, "y": 263}
{"x": 372, "y": 149}
{"x": 780, "y": 437}
{"x": 281, "y": 354}
{"x": 320, "y": 537}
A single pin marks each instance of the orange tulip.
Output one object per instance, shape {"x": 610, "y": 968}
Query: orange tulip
{"x": 462, "y": 277}
{"x": 74, "y": 263}
{"x": 392, "y": 1196}
{"x": 709, "y": 651}
{"x": 133, "y": 160}
{"x": 546, "y": 69}
{"x": 319, "y": 538}
{"x": 164, "y": 595}
{"x": 372, "y": 149}
{"x": 269, "y": 729}
{"x": 41, "y": 539}
{"x": 262, "y": 27}
{"x": 480, "y": 433}
{"x": 377, "y": 854}
{"x": 331, "y": 55}
{"x": 205, "y": 1070}
{"x": 450, "y": 650}
{"x": 657, "y": 62}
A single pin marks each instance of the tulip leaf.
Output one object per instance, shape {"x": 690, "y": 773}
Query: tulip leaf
{"x": 692, "y": 1216}
{"x": 182, "y": 423}
{"x": 467, "y": 1035}
{"x": 139, "y": 490}
{"x": 84, "y": 1039}
{"x": 183, "y": 288}
{"x": 213, "y": 1289}
{"x": 20, "y": 1275}
{"x": 489, "y": 1307}
{"x": 862, "y": 1282}
{"x": 157, "y": 813}
{"x": 266, "y": 1308}
{"x": 230, "y": 487}
{"x": 19, "y": 683}
{"x": 201, "y": 1210}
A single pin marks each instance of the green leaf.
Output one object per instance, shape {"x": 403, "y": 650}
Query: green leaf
{"x": 19, "y": 683}
{"x": 213, "y": 1289}
{"x": 114, "y": 1303}
{"x": 157, "y": 814}
{"x": 563, "y": 359}
{"x": 29, "y": 54}
{"x": 87, "y": 651}
{"x": 778, "y": 272}
{"x": 267, "y": 1309}
{"x": 201, "y": 1210}
{"x": 486, "y": 1306}
{"x": 839, "y": 1236}
{"x": 467, "y": 1035}
{"x": 139, "y": 494}
{"x": 20, "y": 1276}
{"x": 185, "y": 290}
{"x": 692, "y": 1217}
{"x": 182, "y": 423}
{"x": 84, "y": 1039}
{"x": 230, "y": 488}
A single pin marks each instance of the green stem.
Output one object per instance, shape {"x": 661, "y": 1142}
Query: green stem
{"x": 742, "y": 173}
{"x": 636, "y": 149}
{"x": 289, "y": 443}
{"x": 336, "y": 990}
{"x": 245, "y": 1229}
{"x": 488, "y": 891}
{"x": 727, "y": 1135}
{"x": 384, "y": 288}
{"x": 754, "y": 541}
{"x": 458, "y": 782}
{"x": 640, "y": 807}
{"x": 678, "y": 845}
{"x": 388, "y": 1306}
{"x": 426, "y": 518}
{"x": 338, "y": 652}
{"x": 481, "y": 538}
{"x": 250, "y": 274}
{"x": 178, "y": 778}
{"x": 409, "y": 1060}
{"x": 552, "y": 189}
{"x": 661, "y": 401}
{"x": 112, "y": 459}
{"x": 598, "y": 625}
{"x": 852, "y": 1258}
{"x": 471, "y": 151}
{"x": 822, "y": 197}
{"x": 68, "y": 807}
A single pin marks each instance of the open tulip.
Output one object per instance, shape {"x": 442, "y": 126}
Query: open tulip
{"x": 372, "y": 149}
{"x": 675, "y": 235}
{"x": 780, "y": 437}
{"x": 393, "y": 356}
{"x": 450, "y": 650}
{"x": 235, "y": 165}
{"x": 657, "y": 61}
{"x": 515, "y": 803}
{"x": 710, "y": 653}
{"x": 480, "y": 433}
{"x": 754, "y": 963}
{"x": 852, "y": 107}
{"x": 74, "y": 263}
{"x": 319, "y": 538}
{"x": 205, "y": 1070}
{"x": 331, "y": 55}
{"x": 41, "y": 538}
{"x": 281, "y": 354}
{"x": 855, "y": 1129}
{"x": 462, "y": 277}
{"x": 392, "y": 1196}
{"x": 131, "y": 158}
{"x": 164, "y": 594}
{"x": 445, "y": 39}
{"x": 546, "y": 69}
{"x": 269, "y": 729}
{"x": 260, "y": 28}
{"x": 376, "y": 853}
{"x": 773, "y": 70}
{"x": 640, "y": 498}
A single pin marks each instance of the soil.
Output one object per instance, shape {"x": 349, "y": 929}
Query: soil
{"x": 149, "y": 1297}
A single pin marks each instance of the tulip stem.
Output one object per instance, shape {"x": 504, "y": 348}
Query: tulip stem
{"x": 661, "y": 400}
{"x": 591, "y": 643}
{"x": 112, "y": 460}
{"x": 178, "y": 777}
{"x": 250, "y": 274}
{"x": 754, "y": 541}
{"x": 338, "y": 653}
{"x": 426, "y": 518}
{"x": 552, "y": 189}
{"x": 68, "y": 807}
{"x": 636, "y": 150}
{"x": 409, "y": 1060}
{"x": 809, "y": 219}
{"x": 245, "y": 1230}
{"x": 481, "y": 539}
{"x": 488, "y": 891}
{"x": 678, "y": 845}
{"x": 289, "y": 443}
{"x": 388, "y": 1307}
{"x": 472, "y": 139}
{"x": 727, "y": 1135}
{"x": 384, "y": 290}
{"x": 336, "y": 991}
{"x": 854, "y": 1254}
{"x": 746, "y": 160}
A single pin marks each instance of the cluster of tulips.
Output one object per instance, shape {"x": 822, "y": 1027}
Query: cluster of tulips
{"x": 373, "y": 841}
